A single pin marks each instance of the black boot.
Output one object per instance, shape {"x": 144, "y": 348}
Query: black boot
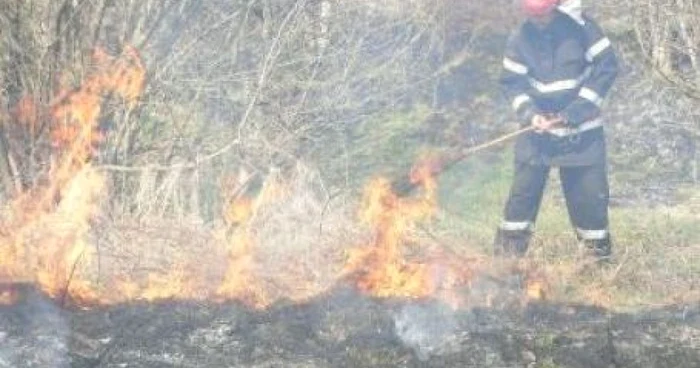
{"x": 511, "y": 243}
{"x": 599, "y": 248}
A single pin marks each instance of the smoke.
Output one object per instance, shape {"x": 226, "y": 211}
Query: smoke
{"x": 298, "y": 238}
{"x": 34, "y": 334}
{"x": 428, "y": 329}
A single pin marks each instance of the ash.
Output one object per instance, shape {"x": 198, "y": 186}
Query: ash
{"x": 343, "y": 328}
{"x": 427, "y": 328}
{"x": 35, "y": 336}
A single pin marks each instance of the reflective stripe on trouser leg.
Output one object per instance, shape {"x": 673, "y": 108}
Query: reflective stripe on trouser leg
{"x": 586, "y": 234}
{"x": 516, "y": 225}
{"x": 587, "y": 196}
{"x": 521, "y": 208}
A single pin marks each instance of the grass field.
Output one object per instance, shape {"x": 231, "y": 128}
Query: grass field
{"x": 656, "y": 248}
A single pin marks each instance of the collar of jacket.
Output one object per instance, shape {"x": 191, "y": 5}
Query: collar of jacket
{"x": 550, "y": 28}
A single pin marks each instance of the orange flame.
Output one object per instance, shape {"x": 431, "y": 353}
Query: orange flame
{"x": 383, "y": 269}
{"x": 45, "y": 235}
{"x": 171, "y": 285}
{"x": 239, "y": 282}
{"x": 26, "y": 112}
{"x": 384, "y": 272}
{"x": 77, "y": 112}
{"x": 8, "y": 295}
{"x": 536, "y": 286}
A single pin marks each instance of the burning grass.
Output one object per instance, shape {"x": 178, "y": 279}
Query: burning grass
{"x": 282, "y": 242}
{"x": 385, "y": 268}
{"x": 46, "y": 228}
{"x": 158, "y": 259}
{"x": 266, "y": 247}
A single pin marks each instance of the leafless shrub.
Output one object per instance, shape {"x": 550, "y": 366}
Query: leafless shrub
{"x": 668, "y": 33}
{"x": 654, "y": 125}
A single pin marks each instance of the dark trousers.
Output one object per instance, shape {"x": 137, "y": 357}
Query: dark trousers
{"x": 586, "y": 193}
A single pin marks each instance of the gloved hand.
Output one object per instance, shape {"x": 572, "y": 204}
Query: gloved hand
{"x": 542, "y": 123}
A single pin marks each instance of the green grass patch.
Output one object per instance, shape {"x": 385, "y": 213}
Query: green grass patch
{"x": 472, "y": 195}
{"x": 657, "y": 249}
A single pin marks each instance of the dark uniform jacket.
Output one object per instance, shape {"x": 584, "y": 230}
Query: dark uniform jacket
{"x": 566, "y": 68}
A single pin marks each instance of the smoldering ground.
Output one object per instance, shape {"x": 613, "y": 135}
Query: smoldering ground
{"x": 342, "y": 328}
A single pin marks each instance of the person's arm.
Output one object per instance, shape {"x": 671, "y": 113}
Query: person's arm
{"x": 603, "y": 71}
{"x": 515, "y": 85}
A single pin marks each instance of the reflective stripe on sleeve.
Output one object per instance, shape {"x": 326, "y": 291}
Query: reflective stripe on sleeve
{"x": 515, "y": 67}
{"x": 519, "y": 100}
{"x": 597, "y": 48}
{"x": 591, "y": 96}
{"x": 589, "y": 125}
{"x": 560, "y": 85}
{"x": 557, "y": 86}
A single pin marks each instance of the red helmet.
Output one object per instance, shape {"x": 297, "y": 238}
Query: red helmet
{"x": 535, "y": 8}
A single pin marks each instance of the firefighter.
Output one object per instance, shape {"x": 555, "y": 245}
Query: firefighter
{"x": 557, "y": 69}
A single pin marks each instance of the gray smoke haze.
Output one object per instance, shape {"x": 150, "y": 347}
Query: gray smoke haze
{"x": 428, "y": 328}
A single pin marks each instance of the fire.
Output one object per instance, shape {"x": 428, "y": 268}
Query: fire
{"x": 239, "y": 281}
{"x": 384, "y": 269}
{"x": 44, "y": 236}
{"x": 168, "y": 286}
{"x": 124, "y": 75}
{"x": 26, "y": 112}
{"x": 68, "y": 245}
{"x": 76, "y": 113}
{"x": 536, "y": 287}
{"x": 8, "y": 295}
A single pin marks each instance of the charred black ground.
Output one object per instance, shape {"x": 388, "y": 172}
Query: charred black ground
{"x": 345, "y": 329}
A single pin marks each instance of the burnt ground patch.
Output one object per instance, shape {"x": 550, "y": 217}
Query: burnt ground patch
{"x": 345, "y": 329}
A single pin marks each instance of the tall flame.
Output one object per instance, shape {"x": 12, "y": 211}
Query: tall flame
{"x": 45, "y": 234}
{"x": 239, "y": 282}
{"x": 383, "y": 268}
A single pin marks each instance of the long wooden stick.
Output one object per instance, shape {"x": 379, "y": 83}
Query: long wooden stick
{"x": 496, "y": 141}
{"x": 481, "y": 147}
{"x": 405, "y": 186}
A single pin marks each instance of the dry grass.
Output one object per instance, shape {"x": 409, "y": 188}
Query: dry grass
{"x": 656, "y": 254}
{"x": 297, "y": 236}
{"x": 300, "y": 235}
{"x": 656, "y": 249}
